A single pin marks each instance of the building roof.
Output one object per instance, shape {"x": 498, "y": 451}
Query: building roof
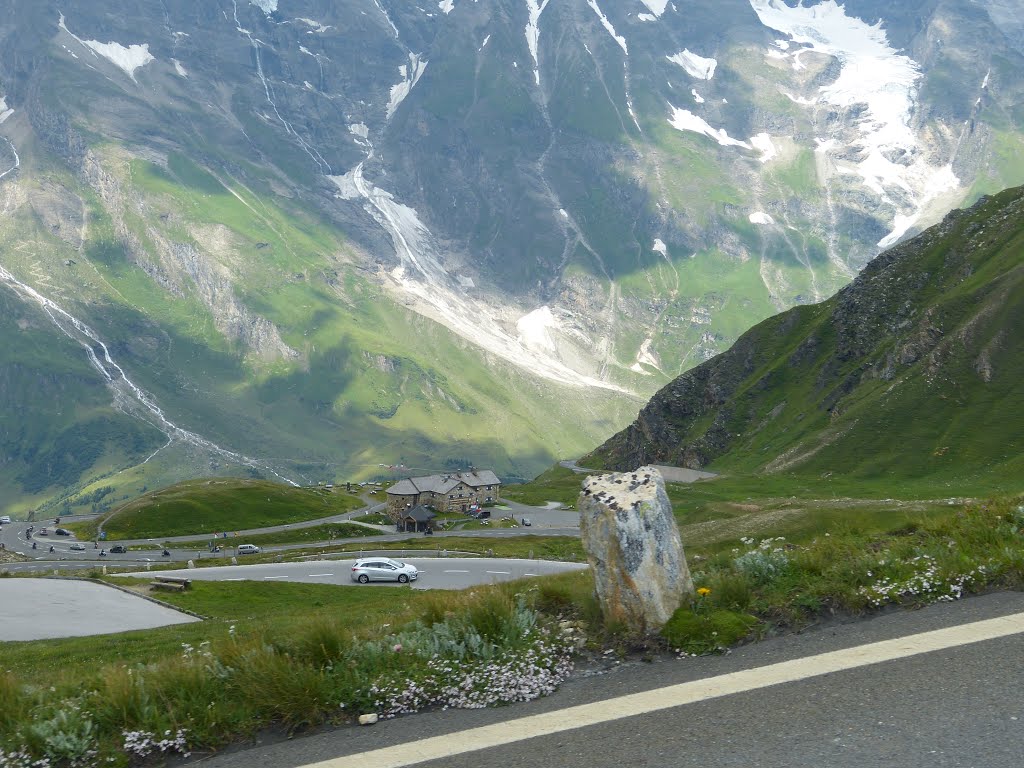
{"x": 420, "y": 514}
{"x": 404, "y": 488}
{"x": 479, "y": 477}
{"x": 443, "y": 483}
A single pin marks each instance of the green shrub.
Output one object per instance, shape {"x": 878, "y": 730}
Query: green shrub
{"x": 764, "y": 564}
{"x": 322, "y": 642}
{"x": 555, "y": 598}
{"x": 697, "y": 633}
{"x": 731, "y": 590}
{"x": 67, "y": 735}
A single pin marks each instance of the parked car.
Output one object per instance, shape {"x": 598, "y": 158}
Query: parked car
{"x": 248, "y": 549}
{"x": 482, "y": 514}
{"x": 383, "y": 569}
{"x": 77, "y": 546}
{"x": 118, "y": 549}
{"x": 526, "y": 521}
{"x": 5, "y": 519}
{"x": 62, "y": 531}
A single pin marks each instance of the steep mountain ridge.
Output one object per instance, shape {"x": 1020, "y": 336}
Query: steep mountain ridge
{"x": 322, "y": 236}
{"x": 913, "y": 370}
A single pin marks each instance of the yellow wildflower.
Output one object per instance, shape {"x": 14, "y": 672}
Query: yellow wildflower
{"x": 703, "y": 591}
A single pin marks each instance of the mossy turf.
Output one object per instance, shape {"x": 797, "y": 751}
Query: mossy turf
{"x": 216, "y": 506}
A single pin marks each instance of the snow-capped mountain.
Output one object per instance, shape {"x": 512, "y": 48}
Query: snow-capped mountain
{"x": 307, "y": 237}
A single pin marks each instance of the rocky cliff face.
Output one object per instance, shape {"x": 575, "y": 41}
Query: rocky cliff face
{"x": 563, "y": 203}
{"x": 915, "y": 363}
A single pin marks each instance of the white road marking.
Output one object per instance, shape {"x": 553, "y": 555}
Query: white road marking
{"x": 234, "y": 579}
{"x": 456, "y": 571}
{"x": 504, "y": 573}
{"x": 529, "y": 574}
{"x": 314, "y": 575}
{"x": 669, "y": 697}
{"x": 274, "y": 577}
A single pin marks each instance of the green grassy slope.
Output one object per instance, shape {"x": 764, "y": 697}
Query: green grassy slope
{"x": 912, "y": 372}
{"x": 218, "y": 505}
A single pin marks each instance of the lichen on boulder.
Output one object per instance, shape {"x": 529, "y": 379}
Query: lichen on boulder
{"x": 633, "y": 545}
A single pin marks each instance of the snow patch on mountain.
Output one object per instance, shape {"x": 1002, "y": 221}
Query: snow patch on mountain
{"x": 881, "y": 83}
{"x": 534, "y": 329}
{"x": 267, "y": 6}
{"x": 760, "y": 217}
{"x": 484, "y": 43}
{"x": 695, "y": 66}
{"x": 534, "y": 10}
{"x": 17, "y": 160}
{"x": 179, "y": 69}
{"x": 645, "y": 356}
{"x": 935, "y": 185}
{"x": 315, "y": 26}
{"x": 763, "y": 142}
{"x": 411, "y": 74}
{"x": 127, "y": 58}
{"x": 685, "y": 120}
{"x": 346, "y": 184}
{"x": 646, "y": 17}
{"x": 696, "y": 96}
{"x": 447, "y": 6}
{"x": 5, "y": 111}
{"x": 657, "y": 7}
{"x": 608, "y": 26}
{"x": 632, "y": 112}
{"x": 659, "y": 246}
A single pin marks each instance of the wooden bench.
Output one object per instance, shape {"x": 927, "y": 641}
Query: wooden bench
{"x": 171, "y": 583}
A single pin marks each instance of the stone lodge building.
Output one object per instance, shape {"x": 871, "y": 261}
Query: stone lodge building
{"x": 454, "y": 492}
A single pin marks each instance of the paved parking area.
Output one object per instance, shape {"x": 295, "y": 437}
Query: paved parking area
{"x": 37, "y": 609}
{"x": 435, "y": 572}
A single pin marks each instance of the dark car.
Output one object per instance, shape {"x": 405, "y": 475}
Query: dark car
{"x": 482, "y": 514}
{"x": 118, "y": 549}
{"x": 62, "y": 531}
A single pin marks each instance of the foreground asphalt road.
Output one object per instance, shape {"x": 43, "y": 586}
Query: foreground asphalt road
{"x": 961, "y": 707}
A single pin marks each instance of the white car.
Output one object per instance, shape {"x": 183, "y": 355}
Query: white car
{"x": 77, "y": 546}
{"x": 383, "y": 569}
{"x": 248, "y": 549}
{"x": 5, "y": 519}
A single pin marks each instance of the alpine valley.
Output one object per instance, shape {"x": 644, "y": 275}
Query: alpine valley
{"x": 303, "y": 238}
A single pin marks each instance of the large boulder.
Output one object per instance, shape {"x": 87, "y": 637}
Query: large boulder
{"x": 633, "y": 544}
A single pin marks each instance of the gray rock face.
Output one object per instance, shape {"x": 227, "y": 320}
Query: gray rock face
{"x": 633, "y": 544}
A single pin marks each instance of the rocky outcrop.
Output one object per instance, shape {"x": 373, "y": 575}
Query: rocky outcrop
{"x": 633, "y": 544}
